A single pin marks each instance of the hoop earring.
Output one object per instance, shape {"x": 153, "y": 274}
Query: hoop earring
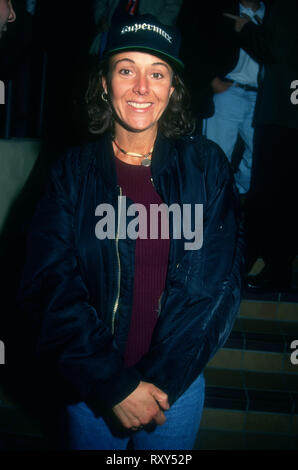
{"x": 104, "y": 96}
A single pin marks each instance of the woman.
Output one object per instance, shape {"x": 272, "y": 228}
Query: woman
{"x": 129, "y": 324}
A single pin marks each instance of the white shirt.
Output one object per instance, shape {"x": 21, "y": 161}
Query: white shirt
{"x": 247, "y": 69}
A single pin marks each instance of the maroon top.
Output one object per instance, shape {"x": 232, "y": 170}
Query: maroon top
{"x": 151, "y": 262}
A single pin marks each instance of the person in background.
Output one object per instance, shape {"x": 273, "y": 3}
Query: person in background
{"x": 273, "y": 197}
{"x": 66, "y": 67}
{"x": 235, "y": 89}
{"x": 7, "y": 15}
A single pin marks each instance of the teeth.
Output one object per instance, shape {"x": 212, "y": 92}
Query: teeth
{"x": 139, "y": 105}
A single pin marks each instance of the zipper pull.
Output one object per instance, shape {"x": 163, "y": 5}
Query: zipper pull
{"x": 116, "y": 304}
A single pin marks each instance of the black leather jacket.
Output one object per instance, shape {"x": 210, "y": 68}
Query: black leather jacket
{"x": 77, "y": 289}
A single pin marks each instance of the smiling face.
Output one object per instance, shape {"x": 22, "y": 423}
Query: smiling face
{"x": 141, "y": 86}
{"x": 7, "y": 15}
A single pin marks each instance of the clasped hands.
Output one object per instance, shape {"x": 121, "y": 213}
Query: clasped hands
{"x": 144, "y": 405}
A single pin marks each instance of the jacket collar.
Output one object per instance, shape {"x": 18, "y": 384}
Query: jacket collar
{"x": 105, "y": 159}
{"x": 163, "y": 155}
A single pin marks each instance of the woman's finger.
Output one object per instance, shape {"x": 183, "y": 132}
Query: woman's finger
{"x": 159, "y": 417}
{"x": 233, "y": 17}
{"x": 123, "y": 418}
{"x": 161, "y": 397}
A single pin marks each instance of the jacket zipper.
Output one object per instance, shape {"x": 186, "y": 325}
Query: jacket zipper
{"x": 159, "y": 304}
{"x": 116, "y": 304}
{"x": 162, "y": 294}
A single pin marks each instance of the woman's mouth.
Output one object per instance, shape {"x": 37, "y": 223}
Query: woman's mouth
{"x": 139, "y": 106}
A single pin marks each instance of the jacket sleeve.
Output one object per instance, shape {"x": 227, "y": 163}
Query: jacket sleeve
{"x": 71, "y": 340}
{"x": 200, "y": 304}
{"x": 256, "y": 41}
{"x": 276, "y": 41}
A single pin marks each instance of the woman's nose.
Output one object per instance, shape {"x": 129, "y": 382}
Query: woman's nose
{"x": 141, "y": 85}
{"x": 12, "y": 15}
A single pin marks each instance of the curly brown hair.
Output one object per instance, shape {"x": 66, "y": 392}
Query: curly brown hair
{"x": 177, "y": 119}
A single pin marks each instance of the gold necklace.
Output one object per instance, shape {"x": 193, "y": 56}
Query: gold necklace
{"x": 145, "y": 162}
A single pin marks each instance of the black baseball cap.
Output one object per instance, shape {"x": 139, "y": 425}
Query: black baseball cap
{"x": 146, "y": 33}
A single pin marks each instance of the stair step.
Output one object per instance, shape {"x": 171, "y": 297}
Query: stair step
{"x": 270, "y": 327}
{"x": 273, "y": 309}
{"x": 249, "y": 421}
{"x": 253, "y": 361}
{"x": 257, "y": 342}
{"x": 251, "y": 400}
{"x": 251, "y": 380}
{"x": 287, "y": 296}
{"x": 216, "y": 439}
{"x": 247, "y": 411}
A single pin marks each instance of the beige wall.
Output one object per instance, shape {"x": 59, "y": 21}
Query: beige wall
{"x": 17, "y": 158}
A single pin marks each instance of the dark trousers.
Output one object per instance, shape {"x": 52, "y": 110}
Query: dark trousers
{"x": 271, "y": 209}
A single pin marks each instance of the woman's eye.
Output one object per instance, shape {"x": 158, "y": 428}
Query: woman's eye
{"x": 124, "y": 71}
{"x": 157, "y": 75}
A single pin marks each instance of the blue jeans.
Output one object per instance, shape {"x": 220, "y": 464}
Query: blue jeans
{"x": 81, "y": 430}
{"x": 234, "y": 111}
